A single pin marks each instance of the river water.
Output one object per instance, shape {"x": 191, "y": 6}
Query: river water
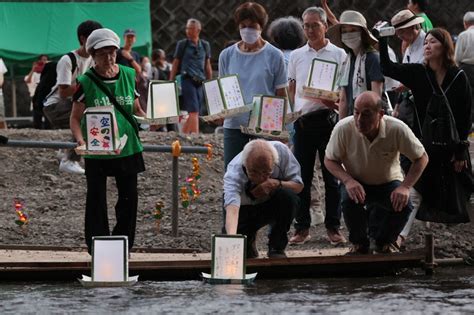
{"x": 449, "y": 291}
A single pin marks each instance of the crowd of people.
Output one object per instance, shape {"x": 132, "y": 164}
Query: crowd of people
{"x": 382, "y": 167}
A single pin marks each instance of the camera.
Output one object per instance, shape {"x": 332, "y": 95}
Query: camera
{"x": 383, "y": 29}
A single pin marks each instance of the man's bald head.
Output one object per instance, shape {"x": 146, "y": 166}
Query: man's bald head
{"x": 368, "y": 112}
{"x": 369, "y": 99}
{"x": 259, "y": 150}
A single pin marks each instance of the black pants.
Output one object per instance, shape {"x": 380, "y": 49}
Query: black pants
{"x": 312, "y": 134}
{"x": 96, "y": 222}
{"x": 278, "y": 211}
{"x": 376, "y": 218}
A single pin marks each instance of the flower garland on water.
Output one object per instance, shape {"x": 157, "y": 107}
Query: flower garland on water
{"x": 190, "y": 192}
{"x": 22, "y": 219}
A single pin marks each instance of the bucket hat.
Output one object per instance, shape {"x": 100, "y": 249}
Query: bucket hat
{"x": 406, "y": 18}
{"x": 353, "y": 18}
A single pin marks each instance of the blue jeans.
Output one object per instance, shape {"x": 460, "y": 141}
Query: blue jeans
{"x": 278, "y": 211}
{"x": 312, "y": 134}
{"x": 376, "y": 218}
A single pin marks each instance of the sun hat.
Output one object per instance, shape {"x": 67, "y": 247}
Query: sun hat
{"x": 102, "y": 37}
{"x": 406, "y": 18}
{"x": 129, "y": 31}
{"x": 349, "y": 17}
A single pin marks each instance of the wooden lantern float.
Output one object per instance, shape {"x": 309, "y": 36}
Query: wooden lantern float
{"x": 163, "y": 105}
{"x": 321, "y": 82}
{"x": 224, "y": 98}
{"x": 109, "y": 263}
{"x": 101, "y": 134}
{"x": 267, "y": 118}
{"x": 228, "y": 261}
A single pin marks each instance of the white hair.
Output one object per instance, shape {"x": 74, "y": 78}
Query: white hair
{"x": 316, "y": 10}
{"x": 259, "y": 144}
{"x": 469, "y": 18}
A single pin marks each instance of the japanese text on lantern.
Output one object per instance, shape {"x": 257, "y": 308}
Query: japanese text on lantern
{"x": 100, "y": 131}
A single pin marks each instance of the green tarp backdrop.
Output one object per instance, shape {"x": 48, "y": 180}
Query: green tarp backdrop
{"x": 28, "y": 29}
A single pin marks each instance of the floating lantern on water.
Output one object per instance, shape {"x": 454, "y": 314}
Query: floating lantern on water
{"x": 109, "y": 263}
{"x": 228, "y": 261}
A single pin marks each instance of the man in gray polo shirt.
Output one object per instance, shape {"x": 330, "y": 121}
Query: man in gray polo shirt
{"x": 260, "y": 188}
{"x": 363, "y": 153}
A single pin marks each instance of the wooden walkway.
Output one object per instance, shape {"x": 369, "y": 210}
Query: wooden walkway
{"x": 66, "y": 265}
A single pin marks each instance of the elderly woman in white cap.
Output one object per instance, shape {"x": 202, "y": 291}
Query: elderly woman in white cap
{"x": 102, "y": 45}
{"x": 361, "y": 71}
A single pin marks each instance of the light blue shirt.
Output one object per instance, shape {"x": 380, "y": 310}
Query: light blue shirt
{"x": 287, "y": 169}
{"x": 261, "y": 72}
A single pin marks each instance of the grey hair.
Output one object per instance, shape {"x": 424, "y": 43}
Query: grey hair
{"x": 194, "y": 21}
{"x": 469, "y": 17}
{"x": 286, "y": 33}
{"x": 316, "y": 10}
{"x": 259, "y": 144}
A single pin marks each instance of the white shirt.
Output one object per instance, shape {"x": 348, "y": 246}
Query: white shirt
{"x": 35, "y": 78}
{"x": 300, "y": 65}
{"x": 3, "y": 69}
{"x": 414, "y": 52}
{"x": 65, "y": 75}
{"x": 465, "y": 47}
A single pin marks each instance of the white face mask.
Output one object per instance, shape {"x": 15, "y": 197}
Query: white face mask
{"x": 250, "y": 35}
{"x": 352, "y": 40}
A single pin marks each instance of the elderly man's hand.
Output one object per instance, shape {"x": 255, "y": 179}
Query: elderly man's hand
{"x": 399, "y": 197}
{"x": 355, "y": 190}
{"x": 265, "y": 189}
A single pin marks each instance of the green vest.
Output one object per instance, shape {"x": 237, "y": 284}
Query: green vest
{"x": 124, "y": 91}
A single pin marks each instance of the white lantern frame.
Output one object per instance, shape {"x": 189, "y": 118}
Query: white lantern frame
{"x": 321, "y": 81}
{"x": 224, "y": 97}
{"x": 172, "y": 104}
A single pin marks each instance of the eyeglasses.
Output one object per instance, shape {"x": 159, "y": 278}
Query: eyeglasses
{"x": 314, "y": 26}
{"x": 104, "y": 53}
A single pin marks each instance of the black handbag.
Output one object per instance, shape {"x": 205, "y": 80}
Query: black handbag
{"x": 112, "y": 98}
{"x": 439, "y": 131}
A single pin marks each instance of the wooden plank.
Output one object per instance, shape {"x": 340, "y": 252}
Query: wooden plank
{"x": 189, "y": 266}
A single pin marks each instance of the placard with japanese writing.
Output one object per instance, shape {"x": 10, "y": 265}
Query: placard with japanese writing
{"x": 230, "y": 86}
{"x": 101, "y": 129}
{"x": 224, "y": 98}
{"x": 214, "y": 100}
{"x": 322, "y": 75}
{"x": 228, "y": 256}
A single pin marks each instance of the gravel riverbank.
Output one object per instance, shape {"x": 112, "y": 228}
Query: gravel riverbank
{"x": 55, "y": 201}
